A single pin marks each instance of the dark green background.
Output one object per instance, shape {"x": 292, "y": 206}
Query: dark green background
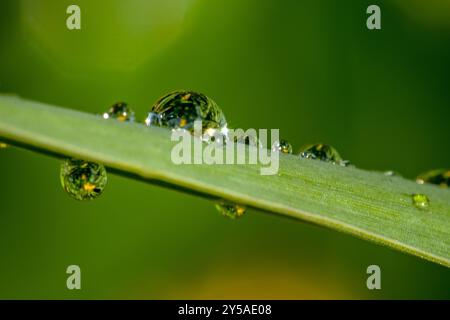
{"x": 310, "y": 68}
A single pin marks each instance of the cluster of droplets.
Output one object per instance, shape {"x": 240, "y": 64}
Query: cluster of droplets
{"x": 180, "y": 110}
{"x": 439, "y": 177}
{"x": 85, "y": 180}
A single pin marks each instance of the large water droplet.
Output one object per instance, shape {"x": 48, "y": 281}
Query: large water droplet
{"x": 323, "y": 152}
{"x": 180, "y": 109}
{"x": 282, "y": 146}
{"x": 440, "y": 177}
{"x": 230, "y": 209}
{"x": 83, "y": 180}
{"x": 120, "y": 111}
{"x": 420, "y": 200}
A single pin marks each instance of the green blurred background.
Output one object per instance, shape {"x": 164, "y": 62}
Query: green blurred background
{"x": 310, "y": 68}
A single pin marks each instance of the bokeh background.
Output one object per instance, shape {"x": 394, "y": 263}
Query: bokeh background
{"x": 310, "y": 68}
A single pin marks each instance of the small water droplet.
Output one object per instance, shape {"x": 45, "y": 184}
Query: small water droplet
{"x": 420, "y": 200}
{"x": 83, "y": 180}
{"x": 282, "y": 146}
{"x": 230, "y": 209}
{"x": 392, "y": 173}
{"x": 180, "y": 109}
{"x": 323, "y": 152}
{"x": 121, "y": 112}
{"x": 441, "y": 177}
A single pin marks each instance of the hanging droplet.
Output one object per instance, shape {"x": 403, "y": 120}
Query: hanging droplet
{"x": 441, "y": 177}
{"x": 282, "y": 146}
{"x": 3, "y": 145}
{"x": 230, "y": 209}
{"x": 421, "y": 201}
{"x": 180, "y": 109}
{"x": 323, "y": 152}
{"x": 83, "y": 180}
{"x": 121, "y": 112}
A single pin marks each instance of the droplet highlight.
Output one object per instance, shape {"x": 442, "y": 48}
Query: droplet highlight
{"x": 180, "y": 109}
{"x": 230, "y": 210}
{"x": 120, "y": 111}
{"x": 421, "y": 201}
{"x": 440, "y": 177}
{"x": 153, "y": 119}
{"x": 83, "y": 180}
{"x": 323, "y": 152}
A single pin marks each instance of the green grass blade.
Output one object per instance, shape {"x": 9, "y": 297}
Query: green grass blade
{"x": 365, "y": 204}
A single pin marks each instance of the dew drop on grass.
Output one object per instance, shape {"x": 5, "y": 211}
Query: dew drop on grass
{"x": 391, "y": 173}
{"x": 121, "y": 112}
{"x": 83, "y": 180}
{"x": 421, "y": 201}
{"x": 180, "y": 109}
{"x": 230, "y": 209}
{"x": 440, "y": 177}
{"x": 282, "y": 146}
{"x": 323, "y": 152}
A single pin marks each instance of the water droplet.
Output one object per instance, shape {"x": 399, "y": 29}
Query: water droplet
{"x": 420, "y": 200}
{"x": 121, "y": 112}
{"x": 180, "y": 109}
{"x": 230, "y": 209}
{"x": 440, "y": 177}
{"x": 83, "y": 180}
{"x": 392, "y": 173}
{"x": 323, "y": 152}
{"x": 3, "y": 145}
{"x": 282, "y": 146}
